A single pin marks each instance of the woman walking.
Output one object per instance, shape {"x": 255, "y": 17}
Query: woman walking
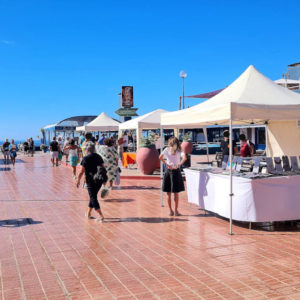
{"x": 92, "y": 166}
{"x": 5, "y": 150}
{"x": 66, "y": 149}
{"x": 13, "y": 152}
{"x": 111, "y": 158}
{"x": 173, "y": 158}
{"x": 73, "y": 156}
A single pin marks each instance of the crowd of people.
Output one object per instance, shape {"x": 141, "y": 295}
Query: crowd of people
{"x": 99, "y": 161}
{"x": 99, "y": 157}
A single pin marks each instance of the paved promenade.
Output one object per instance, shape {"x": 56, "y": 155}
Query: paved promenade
{"x": 50, "y": 251}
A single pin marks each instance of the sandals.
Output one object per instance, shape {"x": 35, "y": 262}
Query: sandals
{"x": 178, "y": 214}
{"x": 171, "y": 214}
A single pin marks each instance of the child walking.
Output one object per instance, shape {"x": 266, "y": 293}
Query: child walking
{"x": 173, "y": 158}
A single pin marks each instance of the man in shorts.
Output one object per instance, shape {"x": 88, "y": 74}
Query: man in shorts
{"x": 54, "y": 151}
{"x": 5, "y": 150}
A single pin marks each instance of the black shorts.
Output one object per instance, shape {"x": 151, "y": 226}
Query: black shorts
{"x": 173, "y": 182}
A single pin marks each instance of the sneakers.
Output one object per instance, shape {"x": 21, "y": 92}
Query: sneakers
{"x": 104, "y": 192}
{"x": 87, "y": 216}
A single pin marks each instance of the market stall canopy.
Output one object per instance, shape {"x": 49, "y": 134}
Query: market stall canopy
{"x": 102, "y": 123}
{"x": 251, "y": 99}
{"x": 150, "y": 120}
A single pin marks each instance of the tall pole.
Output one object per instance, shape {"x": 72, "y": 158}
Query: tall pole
{"x": 230, "y": 174}
{"x": 183, "y": 93}
{"x": 179, "y": 102}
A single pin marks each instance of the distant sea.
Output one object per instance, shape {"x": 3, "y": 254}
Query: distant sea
{"x": 36, "y": 143}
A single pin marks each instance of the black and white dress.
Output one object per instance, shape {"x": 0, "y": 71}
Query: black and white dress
{"x": 173, "y": 182}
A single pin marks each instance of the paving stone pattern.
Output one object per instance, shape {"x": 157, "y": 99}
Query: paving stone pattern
{"x": 50, "y": 251}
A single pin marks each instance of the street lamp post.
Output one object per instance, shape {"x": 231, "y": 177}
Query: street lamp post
{"x": 183, "y": 75}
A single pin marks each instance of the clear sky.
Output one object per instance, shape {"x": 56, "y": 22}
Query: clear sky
{"x": 61, "y": 58}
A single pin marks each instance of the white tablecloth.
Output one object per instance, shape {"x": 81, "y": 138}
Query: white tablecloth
{"x": 254, "y": 200}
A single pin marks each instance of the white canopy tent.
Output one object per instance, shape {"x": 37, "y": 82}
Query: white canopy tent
{"x": 251, "y": 99}
{"x": 150, "y": 120}
{"x": 102, "y": 123}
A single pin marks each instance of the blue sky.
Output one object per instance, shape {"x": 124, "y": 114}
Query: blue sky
{"x": 60, "y": 58}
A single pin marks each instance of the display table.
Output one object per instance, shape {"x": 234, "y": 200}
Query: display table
{"x": 128, "y": 158}
{"x": 254, "y": 200}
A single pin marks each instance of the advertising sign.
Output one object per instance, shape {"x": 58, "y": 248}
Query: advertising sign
{"x": 127, "y": 96}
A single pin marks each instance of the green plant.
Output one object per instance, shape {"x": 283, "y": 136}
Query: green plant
{"x": 187, "y": 137}
{"x": 43, "y": 146}
{"x": 149, "y": 141}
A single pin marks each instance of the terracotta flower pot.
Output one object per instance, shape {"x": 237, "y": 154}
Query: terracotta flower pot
{"x": 187, "y": 147}
{"x": 147, "y": 160}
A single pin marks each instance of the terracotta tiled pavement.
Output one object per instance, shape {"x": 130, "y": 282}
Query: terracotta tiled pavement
{"x": 50, "y": 251}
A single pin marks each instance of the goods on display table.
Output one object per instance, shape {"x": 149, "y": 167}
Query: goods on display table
{"x": 265, "y": 188}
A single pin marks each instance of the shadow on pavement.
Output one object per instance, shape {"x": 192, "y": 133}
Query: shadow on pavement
{"x": 144, "y": 220}
{"x": 18, "y": 161}
{"x": 18, "y": 222}
{"x": 118, "y": 200}
{"x": 5, "y": 169}
{"x": 138, "y": 187}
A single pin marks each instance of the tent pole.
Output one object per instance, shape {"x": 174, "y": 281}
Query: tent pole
{"x": 206, "y": 141}
{"x": 230, "y": 162}
{"x": 161, "y": 168}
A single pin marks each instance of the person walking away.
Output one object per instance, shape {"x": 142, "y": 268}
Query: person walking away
{"x": 25, "y": 147}
{"x": 120, "y": 146}
{"x": 13, "y": 152}
{"x": 245, "y": 148}
{"x": 31, "y": 147}
{"x": 5, "y": 150}
{"x": 101, "y": 140}
{"x": 110, "y": 157}
{"x": 54, "y": 151}
{"x": 92, "y": 166}
{"x": 66, "y": 149}
{"x": 125, "y": 145}
{"x": 173, "y": 158}
{"x": 72, "y": 149}
{"x": 60, "y": 148}
{"x": 225, "y": 144}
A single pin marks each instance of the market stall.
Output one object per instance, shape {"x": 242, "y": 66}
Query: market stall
{"x": 148, "y": 121}
{"x": 102, "y": 123}
{"x": 250, "y": 99}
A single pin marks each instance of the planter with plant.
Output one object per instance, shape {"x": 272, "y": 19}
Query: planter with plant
{"x": 187, "y": 145}
{"x": 147, "y": 156}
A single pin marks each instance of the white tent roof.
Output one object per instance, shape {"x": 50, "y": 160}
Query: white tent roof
{"x": 252, "y": 97}
{"x": 102, "y": 123}
{"x": 150, "y": 120}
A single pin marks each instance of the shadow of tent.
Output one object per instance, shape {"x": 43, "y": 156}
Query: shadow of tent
{"x": 18, "y": 222}
{"x": 118, "y": 200}
{"x": 143, "y": 220}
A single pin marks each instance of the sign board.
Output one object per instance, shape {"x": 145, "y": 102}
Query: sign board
{"x": 127, "y": 96}
{"x": 126, "y": 112}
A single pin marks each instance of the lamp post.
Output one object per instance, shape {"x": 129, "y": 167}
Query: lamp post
{"x": 183, "y": 75}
